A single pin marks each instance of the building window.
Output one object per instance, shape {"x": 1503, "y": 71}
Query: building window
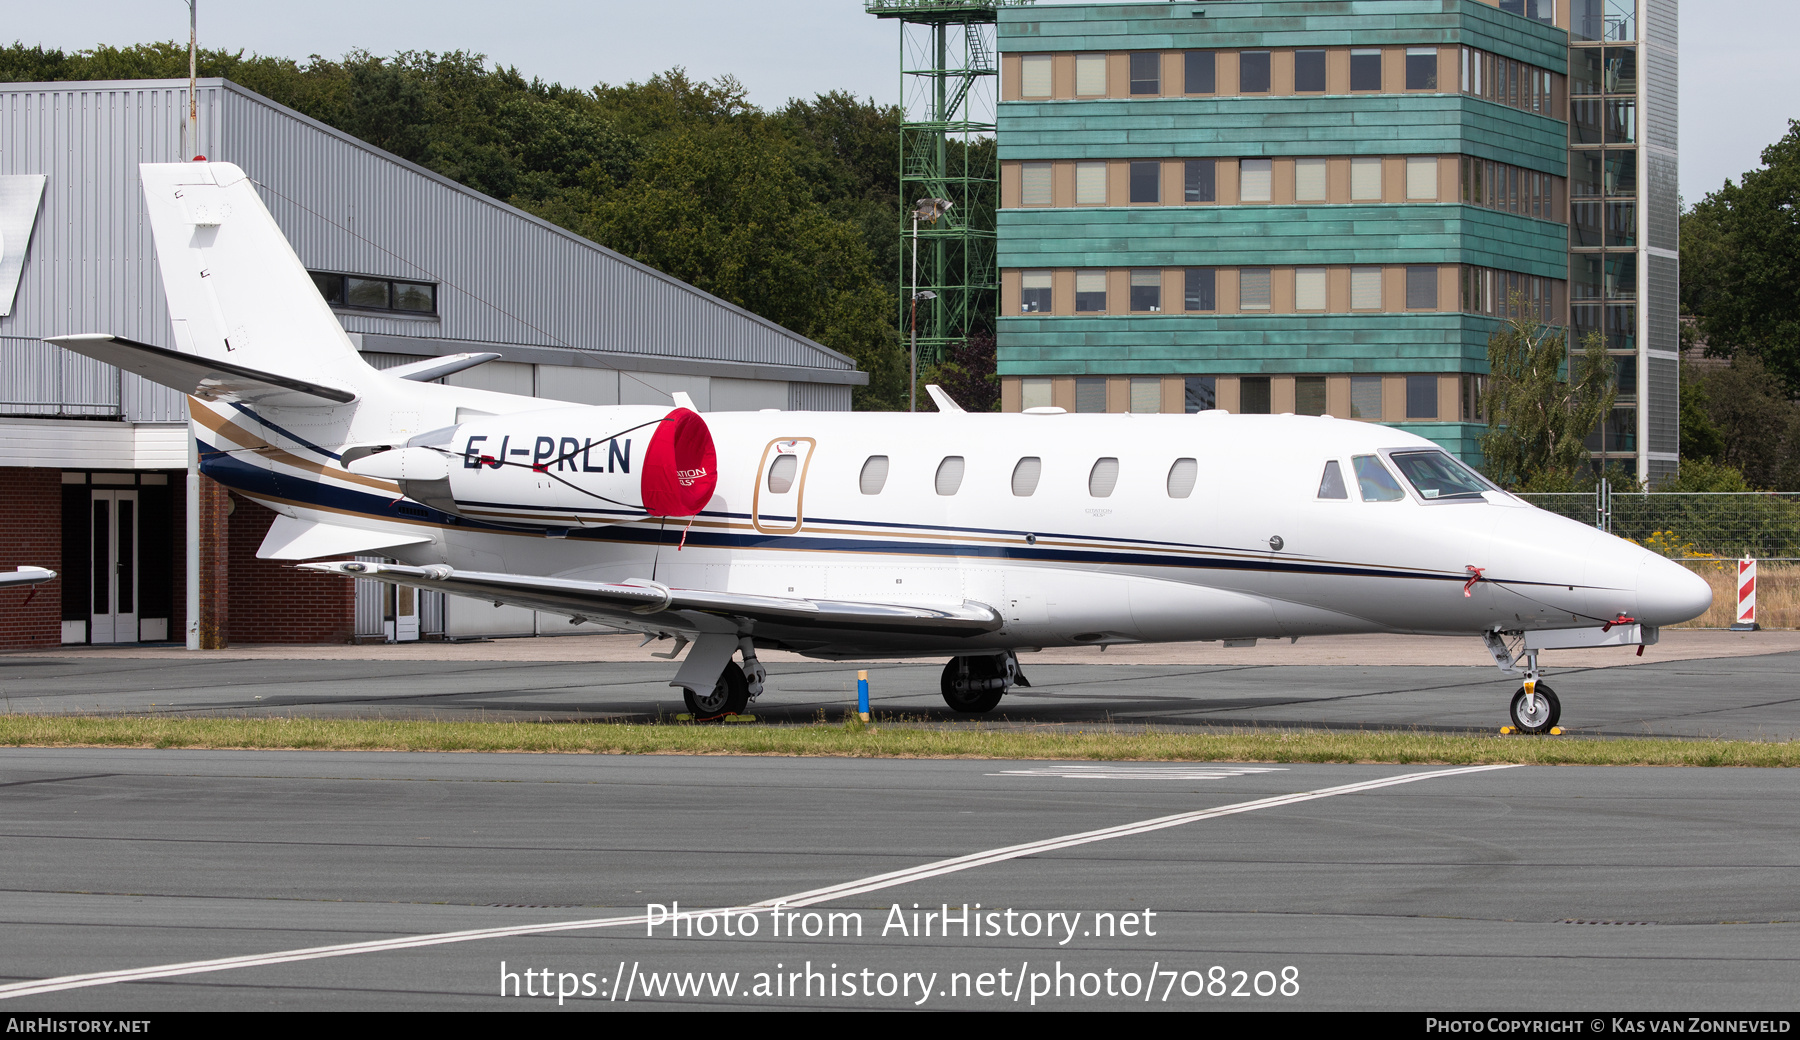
{"x": 1309, "y": 72}
{"x": 1146, "y": 291}
{"x": 1034, "y": 184}
{"x": 1309, "y": 289}
{"x": 1146, "y": 72}
{"x": 1365, "y": 398}
{"x": 1621, "y": 224}
{"x": 1090, "y": 184}
{"x": 1090, "y": 394}
{"x": 1309, "y": 180}
{"x": 1035, "y": 81}
{"x": 1421, "y": 178}
{"x": 1146, "y": 182}
{"x": 1473, "y": 390}
{"x": 1035, "y": 295}
{"x": 1253, "y": 72}
{"x": 1603, "y": 20}
{"x": 1365, "y": 180}
{"x": 1198, "y": 177}
{"x": 354, "y": 292}
{"x": 1538, "y": 10}
{"x": 1199, "y": 394}
{"x": 1090, "y": 75}
{"x": 1421, "y": 397}
{"x": 1197, "y": 73}
{"x": 1200, "y": 294}
{"x": 1421, "y": 68}
{"x": 1253, "y": 395}
{"x": 1253, "y": 289}
{"x": 1309, "y": 395}
{"x": 1090, "y": 291}
{"x": 1421, "y": 288}
{"x": 1365, "y": 288}
{"x": 1365, "y": 68}
{"x": 1036, "y": 392}
{"x": 1255, "y": 180}
{"x": 1146, "y": 395}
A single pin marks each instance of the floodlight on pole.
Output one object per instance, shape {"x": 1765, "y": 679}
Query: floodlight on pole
{"x": 193, "y": 122}
{"x": 928, "y": 210}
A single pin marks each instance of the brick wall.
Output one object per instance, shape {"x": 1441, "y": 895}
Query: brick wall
{"x": 215, "y": 554}
{"x": 271, "y": 602}
{"x": 31, "y": 534}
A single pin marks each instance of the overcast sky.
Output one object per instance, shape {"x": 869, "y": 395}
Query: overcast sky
{"x": 1740, "y": 80}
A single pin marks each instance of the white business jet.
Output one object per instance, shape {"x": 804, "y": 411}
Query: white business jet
{"x": 837, "y": 535}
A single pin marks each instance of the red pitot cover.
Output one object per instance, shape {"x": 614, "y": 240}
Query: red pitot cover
{"x": 681, "y": 467}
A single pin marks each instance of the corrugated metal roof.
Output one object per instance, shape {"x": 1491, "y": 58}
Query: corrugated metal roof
{"x": 507, "y": 278}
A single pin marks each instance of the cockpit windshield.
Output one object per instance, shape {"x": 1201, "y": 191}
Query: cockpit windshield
{"x": 1436, "y": 476}
{"x": 1374, "y": 481}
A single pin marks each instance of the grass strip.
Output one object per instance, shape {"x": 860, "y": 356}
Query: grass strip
{"x": 852, "y": 739}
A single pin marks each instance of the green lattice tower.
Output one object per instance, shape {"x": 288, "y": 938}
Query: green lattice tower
{"x": 949, "y": 72}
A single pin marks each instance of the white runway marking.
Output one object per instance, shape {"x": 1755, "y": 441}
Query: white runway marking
{"x": 1194, "y": 772}
{"x": 817, "y": 895}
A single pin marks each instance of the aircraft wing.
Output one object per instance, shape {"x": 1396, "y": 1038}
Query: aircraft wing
{"x": 634, "y": 603}
{"x": 194, "y": 375}
{"x": 24, "y": 576}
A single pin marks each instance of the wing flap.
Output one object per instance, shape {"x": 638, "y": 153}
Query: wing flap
{"x": 291, "y": 539}
{"x": 634, "y": 600}
{"x": 200, "y": 377}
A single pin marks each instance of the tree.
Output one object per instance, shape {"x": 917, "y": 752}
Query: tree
{"x": 1756, "y": 425}
{"x": 1537, "y": 419}
{"x": 1740, "y": 263}
{"x": 967, "y": 374}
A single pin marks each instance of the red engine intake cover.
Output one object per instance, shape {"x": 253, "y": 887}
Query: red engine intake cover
{"x": 680, "y": 466}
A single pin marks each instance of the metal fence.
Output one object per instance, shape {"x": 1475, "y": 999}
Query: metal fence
{"x": 1689, "y": 525}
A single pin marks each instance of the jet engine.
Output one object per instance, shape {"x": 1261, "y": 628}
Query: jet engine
{"x": 556, "y": 468}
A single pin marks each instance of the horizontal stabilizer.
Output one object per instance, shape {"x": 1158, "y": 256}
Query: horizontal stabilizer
{"x": 25, "y": 576}
{"x": 201, "y": 377}
{"x": 439, "y": 367}
{"x": 291, "y": 539}
{"x": 632, "y": 600}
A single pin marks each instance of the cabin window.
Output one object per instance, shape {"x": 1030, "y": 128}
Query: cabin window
{"x": 1182, "y": 476}
{"x": 781, "y": 473}
{"x": 1331, "y": 485}
{"x": 1374, "y": 481}
{"x": 874, "y": 474}
{"x": 1437, "y": 476}
{"x": 1025, "y": 476}
{"x": 949, "y": 475}
{"x": 1103, "y": 478}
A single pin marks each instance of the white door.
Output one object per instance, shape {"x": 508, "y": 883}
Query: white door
{"x": 780, "y": 497}
{"x": 406, "y": 614}
{"x": 113, "y": 566}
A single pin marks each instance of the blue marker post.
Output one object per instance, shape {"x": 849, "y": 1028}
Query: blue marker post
{"x": 862, "y": 695}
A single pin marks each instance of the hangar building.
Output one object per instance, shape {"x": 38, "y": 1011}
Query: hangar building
{"x": 94, "y": 463}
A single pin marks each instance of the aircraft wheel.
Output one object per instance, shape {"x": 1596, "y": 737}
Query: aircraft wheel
{"x": 963, "y": 693}
{"x": 727, "y": 698}
{"x": 1549, "y": 710}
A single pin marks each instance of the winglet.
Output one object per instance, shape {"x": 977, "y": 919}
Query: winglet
{"x": 941, "y": 399}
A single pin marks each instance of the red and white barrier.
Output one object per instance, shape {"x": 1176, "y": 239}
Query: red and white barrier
{"x": 1746, "y": 596}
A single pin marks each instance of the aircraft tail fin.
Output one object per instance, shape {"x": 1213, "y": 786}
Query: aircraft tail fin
{"x": 236, "y": 291}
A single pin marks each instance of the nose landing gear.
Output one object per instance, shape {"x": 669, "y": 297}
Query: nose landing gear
{"x": 1535, "y": 707}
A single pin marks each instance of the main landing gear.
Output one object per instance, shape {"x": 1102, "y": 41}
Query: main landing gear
{"x": 973, "y": 685}
{"x": 732, "y": 689}
{"x": 1535, "y": 707}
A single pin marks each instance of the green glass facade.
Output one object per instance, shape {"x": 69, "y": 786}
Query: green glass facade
{"x": 1349, "y": 276}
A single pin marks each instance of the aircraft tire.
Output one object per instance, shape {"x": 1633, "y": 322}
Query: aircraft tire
{"x": 969, "y": 702}
{"x": 1547, "y": 715}
{"x": 729, "y": 697}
